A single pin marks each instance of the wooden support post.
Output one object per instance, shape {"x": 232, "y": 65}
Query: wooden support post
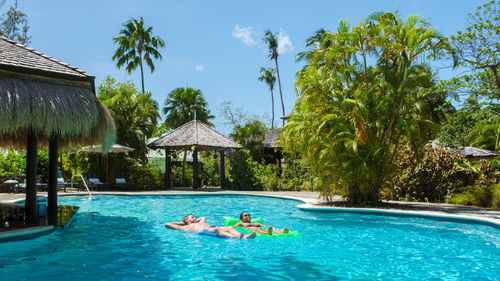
{"x": 30, "y": 204}
{"x": 168, "y": 169}
{"x": 222, "y": 171}
{"x": 52, "y": 189}
{"x": 196, "y": 183}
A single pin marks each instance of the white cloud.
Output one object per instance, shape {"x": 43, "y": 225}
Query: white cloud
{"x": 199, "y": 67}
{"x": 245, "y": 34}
{"x": 284, "y": 43}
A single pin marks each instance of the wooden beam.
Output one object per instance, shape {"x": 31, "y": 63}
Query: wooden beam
{"x": 168, "y": 169}
{"x": 222, "y": 171}
{"x": 30, "y": 204}
{"x": 52, "y": 189}
{"x": 196, "y": 183}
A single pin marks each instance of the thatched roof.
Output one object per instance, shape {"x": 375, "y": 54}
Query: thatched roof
{"x": 194, "y": 133}
{"x": 474, "y": 153}
{"x": 46, "y": 96}
{"x": 271, "y": 138}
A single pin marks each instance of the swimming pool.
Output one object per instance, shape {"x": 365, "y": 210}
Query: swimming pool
{"x": 123, "y": 238}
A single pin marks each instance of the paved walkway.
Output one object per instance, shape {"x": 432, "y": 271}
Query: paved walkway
{"x": 313, "y": 202}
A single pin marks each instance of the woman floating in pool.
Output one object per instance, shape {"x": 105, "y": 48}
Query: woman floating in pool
{"x": 190, "y": 223}
{"x": 255, "y": 226}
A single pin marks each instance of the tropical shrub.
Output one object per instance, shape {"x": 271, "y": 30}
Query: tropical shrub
{"x": 146, "y": 176}
{"x": 478, "y": 195}
{"x": 436, "y": 176}
{"x": 363, "y": 89}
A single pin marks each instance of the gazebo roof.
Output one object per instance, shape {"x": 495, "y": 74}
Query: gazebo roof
{"x": 194, "y": 133}
{"x": 475, "y": 153}
{"x": 271, "y": 138}
{"x": 46, "y": 96}
{"x": 19, "y": 58}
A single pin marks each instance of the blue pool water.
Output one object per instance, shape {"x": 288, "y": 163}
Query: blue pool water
{"x": 123, "y": 238}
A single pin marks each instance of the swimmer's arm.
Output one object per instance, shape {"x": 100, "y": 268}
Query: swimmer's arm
{"x": 239, "y": 224}
{"x": 202, "y": 219}
{"x": 174, "y": 225}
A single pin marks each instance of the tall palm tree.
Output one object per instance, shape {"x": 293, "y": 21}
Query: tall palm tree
{"x": 272, "y": 43}
{"x": 269, "y": 78}
{"x": 136, "y": 44}
{"x": 181, "y": 106}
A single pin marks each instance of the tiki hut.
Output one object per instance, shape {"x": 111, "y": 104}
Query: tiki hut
{"x": 473, "y": 153}
{"x": 47, "y": 103}
{"x": 199, "y": 136}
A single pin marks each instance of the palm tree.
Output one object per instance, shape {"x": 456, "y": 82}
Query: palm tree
{"x": 180, "y": 107}
{"x": 269, "y": 78}
{"x": 135, "y": 44}
{"x": 272, "y": 43}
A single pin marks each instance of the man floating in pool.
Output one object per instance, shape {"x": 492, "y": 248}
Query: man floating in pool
{"x": 246, "y": 222}
{"x": 192, "y": 224}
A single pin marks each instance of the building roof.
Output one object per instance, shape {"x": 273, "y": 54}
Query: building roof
{"x": 271, "y": 138}
{"x": 474, "y": 152}
{"x": 19, "y": 58}
{"x": 46, "y": 96}
{"x": 194, "y": 133}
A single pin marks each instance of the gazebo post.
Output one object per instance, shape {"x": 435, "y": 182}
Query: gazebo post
{"x": 168, "y": 169}
{"x": 30, "y": 204}
{"x": 195, "y": 169}
{"x": 52, "y": 189}
{"x": 222, "y": 170}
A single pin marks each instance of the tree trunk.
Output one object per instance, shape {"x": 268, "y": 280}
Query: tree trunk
{"x": 279, "y": 84}
{"x": 142, "y": 77}
{"x": 272, "y": 103}
{"x": 52, "y": 189}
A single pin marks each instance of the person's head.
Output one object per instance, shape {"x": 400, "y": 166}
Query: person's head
{"x": 245, "y": 217}
{"x": 189, "y": 219}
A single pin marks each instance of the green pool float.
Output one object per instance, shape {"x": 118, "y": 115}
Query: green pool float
{"x": 228, "y": 221}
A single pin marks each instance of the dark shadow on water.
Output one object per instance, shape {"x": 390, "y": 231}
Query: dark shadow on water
{"x": 273, "y": 268}
{"x": 92, "y": 247}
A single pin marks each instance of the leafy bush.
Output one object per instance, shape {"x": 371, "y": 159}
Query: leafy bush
{"x": 478, "y": 195}
{"x": 146, "y": 176}
{"x": 437, "y": 175}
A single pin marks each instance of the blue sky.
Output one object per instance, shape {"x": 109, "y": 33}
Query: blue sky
{"x": 214, "y": 46}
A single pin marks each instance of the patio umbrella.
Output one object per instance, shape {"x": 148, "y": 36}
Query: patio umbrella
{"x": 115, "y": 148}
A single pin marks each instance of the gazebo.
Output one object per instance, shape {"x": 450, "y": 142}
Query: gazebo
{"x": 194, "y": 134}
{"x": 49, "y": 103}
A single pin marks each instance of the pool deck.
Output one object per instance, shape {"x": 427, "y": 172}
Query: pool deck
{"x": 311, "y": 201}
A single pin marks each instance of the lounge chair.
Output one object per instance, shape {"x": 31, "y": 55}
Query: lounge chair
{"x": 93, "y": 181}
{"x": 121, "y": 181}
{"x": 60, "y": 180}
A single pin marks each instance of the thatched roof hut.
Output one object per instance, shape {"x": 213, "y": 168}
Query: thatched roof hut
{"x": 195, "y": 133}
{"x": 474, "y": 153}
{"x": 200, "y": 136}
{"x": 48, "y": 97}
{"x": 270, "y": 140}
{"x": 46, "y": 102}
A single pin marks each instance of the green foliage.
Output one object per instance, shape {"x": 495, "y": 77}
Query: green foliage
{"x": 269, "y": 78}
{"x": 350, "y": 115}
{"x": 460, "y": 124}
{"x": 271, "y": 41}
{"x": 135, "y": 114}
{"x": 12, "y": 163}
{"x": 136, "y": 44}
{"x": 433, "y": 178}
{"x": 478, "y": 195}
{"x": 145, "y": 176}
{"x": 250, "y": 136}
{"x": 14, "y": 25}
{"x": 182, "y": 104}
{"x": 486, "y": 135}
{"x": 243, "y": 172}
{"x": 477, "y": 48}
